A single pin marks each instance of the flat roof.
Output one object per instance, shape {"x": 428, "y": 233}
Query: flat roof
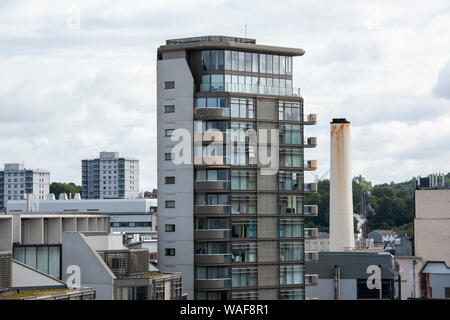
{"x": 225, "y": 42}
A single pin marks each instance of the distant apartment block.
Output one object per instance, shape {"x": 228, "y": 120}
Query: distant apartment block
{"x": 16, "y": 181}
{"x": 110, "y": 177}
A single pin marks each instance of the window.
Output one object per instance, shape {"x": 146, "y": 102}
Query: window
{"x": 168, "y": 156}
{"x": 242, "y": 108}
{"x": 170, "y": 251}
{"x": 170, "y": 203}
{"x": 262, "y": 63}
{"x": 170, "y": 228}
{"x": 290, "y": 251}
{"x": 255, "y": 62}
{"x": 292, "y": 294}
{"x": 170, "y": 180}
{"x": 243, "y": 204}
{"x": 243, "y": 252}
{"x": 211, "y": 248}
{"x": 204, "y": 273}
{"x": 243, "y": 228}
{"x": 276, "y": 64}
{"x": 212, "y": 223}
{"x": 291, "y": 228}
{"x": 291, "y": 134}
{"x": 243, "y": 277}
{"x": 291, "y": 157}
{"x": 243, "y": 180}
{"x": 169, "y": 132}
{"x": 447, "y": 292}
{"x": 290, "y": 181}
{"x": 241, "y": 60}
{"x": 212, "y": 199}
{"x": 289, "y": 111}
{"x": 291, "y": 274}
{"x": 248, "y": 62}
{"x": 169, "y": 85}
{"x": 227, "y": 60}
{"x": 169, "y": 108}
{"x": 291, "y": 204}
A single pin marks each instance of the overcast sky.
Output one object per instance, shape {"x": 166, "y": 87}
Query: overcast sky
{"x": 69, "y": 90}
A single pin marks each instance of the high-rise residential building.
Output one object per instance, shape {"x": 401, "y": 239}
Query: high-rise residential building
{"x": 110, "y": 177}
{"x": 16, "y": 182}
{"x": 231, "y": 213}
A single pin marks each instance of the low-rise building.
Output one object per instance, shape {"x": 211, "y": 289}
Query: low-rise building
{"x": 131, "y": 216}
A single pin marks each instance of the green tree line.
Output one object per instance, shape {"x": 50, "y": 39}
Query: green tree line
{"x": 60, "y": 187}
{"x": 390, "y": 206}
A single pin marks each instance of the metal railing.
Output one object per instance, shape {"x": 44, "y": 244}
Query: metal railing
{"x": 247, "y": 88}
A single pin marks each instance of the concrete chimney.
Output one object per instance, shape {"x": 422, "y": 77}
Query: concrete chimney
{"x": 341, "y": 199}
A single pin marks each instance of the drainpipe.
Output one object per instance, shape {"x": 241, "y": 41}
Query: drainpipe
{"x": 414, "y": 279}
{"x": 337, "y": 289}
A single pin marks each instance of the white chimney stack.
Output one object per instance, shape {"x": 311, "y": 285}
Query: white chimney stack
{"x": 342, "y": 236}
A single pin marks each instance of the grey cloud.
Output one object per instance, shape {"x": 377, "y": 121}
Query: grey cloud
{"x": 442, "y": 87}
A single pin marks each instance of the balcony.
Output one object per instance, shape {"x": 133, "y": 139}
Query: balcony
{"x": 311, "y": 210}
{"x": 310, "y": 165}
{"x": 311, "y": 256}
{"x": 311, "y": 119}
{"x": 212, "y": 234}
{"x": 218, "y": 185}
{"x": 212, "y": 258}
{"x": 216, "y": 136}
{"x": 311, "y": 142}
{"x": 311, "y": 233}
{"x": 212, "y": 209}
{"x": 311, "y": 279}
{"x": 310, "y": 187}
{"x": 205, "y": 113}
{"x": 249, "y": 89}
{"x": 212, "y": 284}
{"x": 209, "y": 161}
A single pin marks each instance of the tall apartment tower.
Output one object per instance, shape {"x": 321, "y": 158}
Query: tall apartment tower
{"x": 230, "y": 221}
{"x": 16, "y": 182}
{"x": 110, "y": 177}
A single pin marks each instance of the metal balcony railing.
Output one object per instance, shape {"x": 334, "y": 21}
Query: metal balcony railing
{"x": 247, "y": 88}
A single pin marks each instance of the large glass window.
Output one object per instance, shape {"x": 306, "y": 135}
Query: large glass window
{"x": 291, "y": 251}
{"x": 243, "y": 252}
{"x": 291, "y": 204}
{"x": 211, "y": 175}
{"x": 290, "y": 181}
{"x": 205, "y": 60}
{"x": 227, "y": 60}
{"x": 291, "y": 274}
{"x": 212, "y": 199}
{"x": 291, "y": 157}
{"x": 203, "y": 273}
{"x": 291, "y": 134}
{"x": 217, "y": 83}
{"x": 241, "y": 61}
{"x": 255, "y": 62}
{"x": 212, "y": 248}
{"x": 212, "y": 223}
{"x": 262, "y": 63}
{"x": 234, "y": 61}
{"x": 292, "y": 294}
{"x": 243, "y": 204}
{"x": 243, "y": 180}
{"x": 276, "y": 64}
{"x": 211, "y": 103}
{"x": 244, "y": 277}
{"x": 291, "y": 228}
{"x": 216, "y": 60}
{"x": 289, "y": 111}
{"x": 269, "y": 63}
{"x": 289, "y": 65}
{"x": 248, "y": 61}
{"x": 242, "y": 108}
{"x": 282, "y": 65}
{"x": 243, "y": 228}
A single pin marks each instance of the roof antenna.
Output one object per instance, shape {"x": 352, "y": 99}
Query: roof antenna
{"x": 246, "y": 31}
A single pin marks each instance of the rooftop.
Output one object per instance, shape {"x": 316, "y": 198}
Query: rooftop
{"x": 227, "y": 43}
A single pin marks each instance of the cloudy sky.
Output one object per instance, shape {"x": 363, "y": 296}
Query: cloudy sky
{"x": 78, "y": 77}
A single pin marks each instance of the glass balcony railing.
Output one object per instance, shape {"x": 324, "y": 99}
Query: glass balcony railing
{"x": 247, "y": 88}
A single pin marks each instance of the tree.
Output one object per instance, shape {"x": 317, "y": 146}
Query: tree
{"x": 60, "y": 187}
